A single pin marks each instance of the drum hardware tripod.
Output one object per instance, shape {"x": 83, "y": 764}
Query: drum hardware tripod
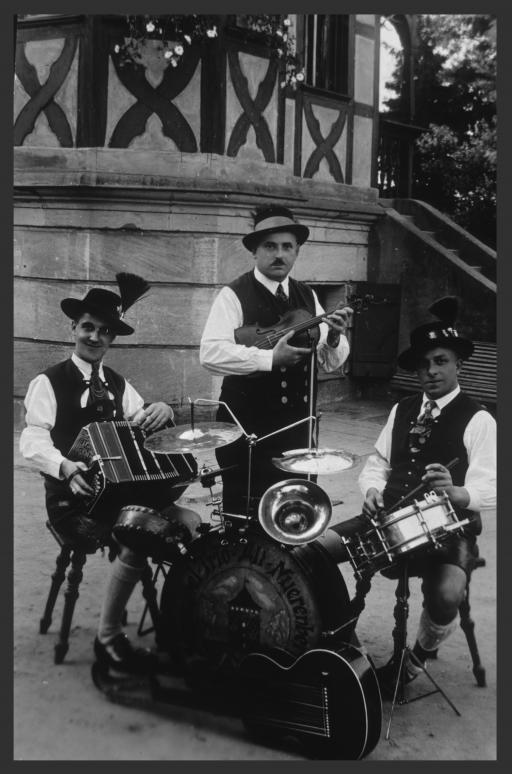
{"x": 401, "y": 650}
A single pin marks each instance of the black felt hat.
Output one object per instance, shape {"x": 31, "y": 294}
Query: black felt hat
{"x": 270, "y": 219}
{"x": 437, "y": 333}
{"x": 109, "y": 306}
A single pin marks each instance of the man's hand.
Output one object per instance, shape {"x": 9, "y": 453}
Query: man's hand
{"x": 155, "y": 416}
{"x": 77, "y": 484}
{"x": 438, "y": 478}
{"x": 373, "y": 503}
{"x": 338, "y": 322}
{"x": 285, "y": 355}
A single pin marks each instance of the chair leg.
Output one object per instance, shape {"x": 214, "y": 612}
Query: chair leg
{"x": 468, "y": 627}
{"x": 149, "y": 594}
{"x": 58, "y": 576}
{"x": 75, "y": 576}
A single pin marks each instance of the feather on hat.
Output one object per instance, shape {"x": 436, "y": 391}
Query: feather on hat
{"x": 109, "y": 306}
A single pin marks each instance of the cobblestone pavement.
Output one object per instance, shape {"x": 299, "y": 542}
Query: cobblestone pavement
{"x": 60, "y": 715}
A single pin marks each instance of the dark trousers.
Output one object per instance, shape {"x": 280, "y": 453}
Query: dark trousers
{"x": 263, "y": 471}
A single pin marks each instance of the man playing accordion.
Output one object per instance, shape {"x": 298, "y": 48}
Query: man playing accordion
{"x": 59, "y": 402}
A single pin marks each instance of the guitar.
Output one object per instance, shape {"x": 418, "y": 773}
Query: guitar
{"x": 327, "y": 699}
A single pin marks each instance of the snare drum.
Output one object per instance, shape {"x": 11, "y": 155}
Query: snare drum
{"x": 424, "y": 523}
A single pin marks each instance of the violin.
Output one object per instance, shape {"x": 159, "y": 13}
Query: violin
{"x": 298, "y": 320}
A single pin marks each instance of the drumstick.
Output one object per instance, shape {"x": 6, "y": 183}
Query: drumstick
{"x": 416, "y": 489}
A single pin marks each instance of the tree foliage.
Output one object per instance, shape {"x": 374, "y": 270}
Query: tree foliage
{"x": 455, "y": 100}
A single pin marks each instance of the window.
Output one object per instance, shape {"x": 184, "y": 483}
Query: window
{"x": 326, "y": 51}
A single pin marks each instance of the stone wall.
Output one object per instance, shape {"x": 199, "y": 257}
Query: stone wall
{"x": 177, "y": 219}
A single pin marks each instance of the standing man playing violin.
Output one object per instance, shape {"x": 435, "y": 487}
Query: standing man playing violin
{"x": 267, "y": 389}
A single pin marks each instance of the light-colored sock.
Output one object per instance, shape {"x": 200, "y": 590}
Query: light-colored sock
{"x": 122, "y": 581}
{"x": 430, "y": 634}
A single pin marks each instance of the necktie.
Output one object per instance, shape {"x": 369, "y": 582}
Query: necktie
{"x": 97, "y": 390}
{"x": 282, "y": 297}
{"x": 420, "y": 431}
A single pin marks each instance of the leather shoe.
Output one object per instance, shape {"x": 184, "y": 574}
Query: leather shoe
{"x": 119, "y": 654}
{"x": 387, "y": 675}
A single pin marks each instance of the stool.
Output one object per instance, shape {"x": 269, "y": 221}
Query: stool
{"x": 468, "y": 627}
{"x": 160, "y": 569}
{"x": 69, "y": 554}
{"x": 401, "y": 650}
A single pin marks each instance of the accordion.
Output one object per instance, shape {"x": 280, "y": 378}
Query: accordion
{"x": 122, "y": 471}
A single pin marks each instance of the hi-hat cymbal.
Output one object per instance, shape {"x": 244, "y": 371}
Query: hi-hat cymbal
{"x": 315, "y": 461}
{"x": 183, "y": 440}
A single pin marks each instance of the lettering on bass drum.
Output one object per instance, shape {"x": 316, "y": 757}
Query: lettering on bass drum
{"x": 229, "y": 597}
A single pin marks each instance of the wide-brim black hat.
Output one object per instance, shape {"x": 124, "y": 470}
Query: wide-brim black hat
{"x": 438, "y": 333}
{"x": 271, "y": 223}
{"x": 104, "y": 304}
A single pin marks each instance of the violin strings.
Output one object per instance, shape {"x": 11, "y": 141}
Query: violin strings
{"x": 273, "y": 338}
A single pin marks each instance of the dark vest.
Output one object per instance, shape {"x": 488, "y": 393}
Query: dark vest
{"x": 285, "y": 391}
{"x": 444, "y": 444}
{"x": 68, "y": 385}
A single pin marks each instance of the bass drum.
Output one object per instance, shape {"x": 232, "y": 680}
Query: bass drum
{"x": 232, "y": 595}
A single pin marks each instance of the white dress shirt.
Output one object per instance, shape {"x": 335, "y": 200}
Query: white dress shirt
{"x": 36, "y": 442}
{"x": 220, "y": 354}
{"x": 479, "y": 440}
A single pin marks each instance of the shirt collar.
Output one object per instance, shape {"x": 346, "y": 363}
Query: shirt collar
{"x": 272, "y": 284}
{"x": 84, "y": 367}
{"x": 442, "y": 402}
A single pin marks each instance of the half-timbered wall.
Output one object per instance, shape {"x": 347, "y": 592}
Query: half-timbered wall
{"x": 73, "y": 90}
{"x": 157, "y": 172}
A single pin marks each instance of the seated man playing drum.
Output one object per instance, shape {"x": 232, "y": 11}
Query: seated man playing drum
{"x": 59, "y": 402}
{"x": 422, "y": 435}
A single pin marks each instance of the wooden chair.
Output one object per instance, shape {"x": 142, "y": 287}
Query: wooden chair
{"x": 75, "y": 558}
{"x": 468, "y": 627}
{"x": 467, "y": 624}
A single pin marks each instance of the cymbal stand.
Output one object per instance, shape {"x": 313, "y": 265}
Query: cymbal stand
{"x": 252, "y": 439}
{"x": 311, "y": 404}
{"x": 402, "y": 651}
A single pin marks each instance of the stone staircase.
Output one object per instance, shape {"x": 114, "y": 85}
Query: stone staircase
{"x": 445, "y": 255}
{"x": 442, "y": 233}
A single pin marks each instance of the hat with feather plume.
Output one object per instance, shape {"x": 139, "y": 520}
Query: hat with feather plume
{"x": 108, "y": 306}
{"x": 440, "y": 332}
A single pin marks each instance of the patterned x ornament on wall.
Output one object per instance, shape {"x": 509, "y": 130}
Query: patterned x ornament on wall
{"x": 325, "y": 145}
{"x": 41, "y": 95}
{"x": 253, "y": 109}
{"x": 156, "y": 100}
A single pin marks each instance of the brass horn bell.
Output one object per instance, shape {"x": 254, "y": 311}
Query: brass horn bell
{"x": 295, "y": 511}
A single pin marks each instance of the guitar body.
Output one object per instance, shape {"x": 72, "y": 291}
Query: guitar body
{"x": 266, "y": 338}
{"x": 329, "y": 700}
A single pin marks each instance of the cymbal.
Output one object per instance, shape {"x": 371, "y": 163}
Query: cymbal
{"x": 183, "y": 440}
{"x": 315, "y": 461}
